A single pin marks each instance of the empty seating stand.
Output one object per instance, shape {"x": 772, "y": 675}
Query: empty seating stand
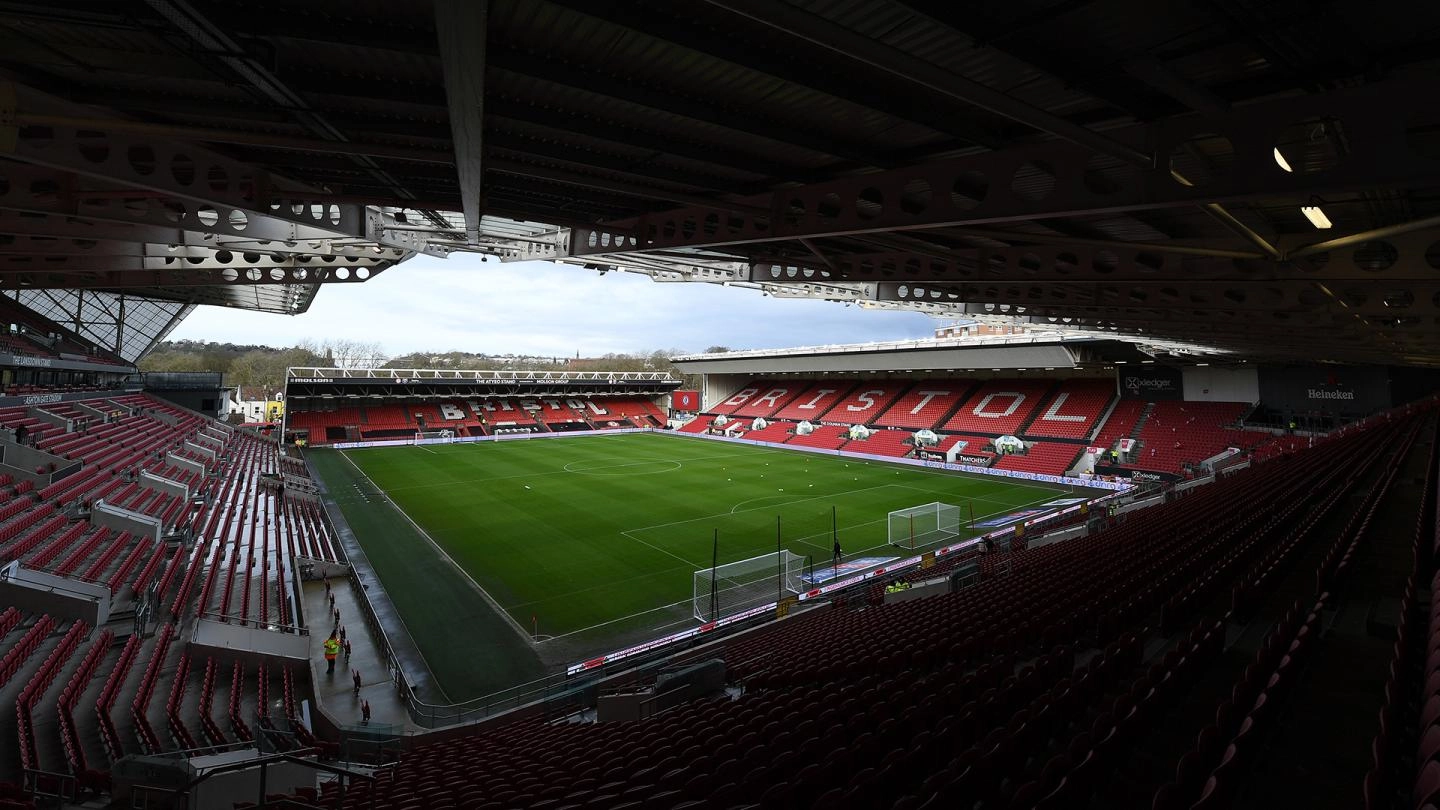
{"x": 925, "y": 405}
{"x": 895, "y": 443}
{"x": 1049, "y": 458}
{"x": 775, "y": 432}
{"x": 62, "y": 669}
{"x": 1073, "y": 410}
{"x": 825, "y": 437}
{"x": 814, "y": 401}
{"x": 998, "y": 407}
{"x": 865, "y": 402}
{"x": 742, "y": 396}
{"x": 1181, "y": 433}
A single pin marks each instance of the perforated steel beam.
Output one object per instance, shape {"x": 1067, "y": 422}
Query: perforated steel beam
{"x": 17, "y": 278}
{"x": 907, "y": 69}
{"x": 1361, "y": 298}
{"x": 680, "y": 25}
{"x": 1401, "y": 258}
{"x": 1056, "y": 179}
{"x": 175, "y": 183}
{"x": 461, "y": 27}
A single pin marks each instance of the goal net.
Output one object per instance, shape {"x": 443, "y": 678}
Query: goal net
{"x": 922, "y": 526}
{"x": 734, "y": 587}
{"x": 434, "y": 435}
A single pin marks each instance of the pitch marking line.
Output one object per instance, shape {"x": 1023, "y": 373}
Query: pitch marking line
{"x": 596, "y": 470}
{"x": 445, "y": 556}
{"x": 537, "y": 474}
{"x": 657, "y": 548}
{"x": 804, "y": 540}
{"x": 736, "y": 508}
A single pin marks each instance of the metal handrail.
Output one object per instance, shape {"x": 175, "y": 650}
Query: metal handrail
{"x": 292, "y": 629}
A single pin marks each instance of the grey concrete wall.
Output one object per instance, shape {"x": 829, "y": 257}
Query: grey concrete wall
{"x": 51, "y": 418}
{"x": 919, "y": 591}
{"x": 185, "y": 463}
{"x": 151, "y": 481}
{"x": 97, "y": 414}
{"x": 203, "y": 450}
{"x": 104, "y": 514}
{"x": 20, "y": 461}
{"x": 168, "y": 418}
{"x": 231, "y": 641}
{"x": 19, "y": 455}
{"x": 61, "y": 597}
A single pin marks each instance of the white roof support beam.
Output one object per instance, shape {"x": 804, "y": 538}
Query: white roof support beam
{"x": 461, "y": 27}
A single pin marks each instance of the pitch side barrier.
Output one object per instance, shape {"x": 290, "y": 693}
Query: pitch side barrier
{"x": 896, "y": 566}
{"x": 915, "y": 462}
{"x": 1117, "y": 489}
{"x": 478, "y": 438}
{"x": 1090, "y": 483}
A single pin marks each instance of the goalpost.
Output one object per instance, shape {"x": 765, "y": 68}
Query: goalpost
{"x": 434, "y": 435}
{"x": 733, "y": 587}
{"x": 921, "y": 526}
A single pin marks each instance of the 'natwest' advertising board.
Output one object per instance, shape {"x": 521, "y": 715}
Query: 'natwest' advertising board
{"x": 1150, "y": 382}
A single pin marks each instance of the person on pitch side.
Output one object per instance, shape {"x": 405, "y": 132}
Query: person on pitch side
{"x": 331, "y": 647}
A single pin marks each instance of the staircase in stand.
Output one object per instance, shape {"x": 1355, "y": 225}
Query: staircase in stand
{"x": 1144, "y": 417}
{"x": 1100, "y": 423}
{"x": 1037, "y": 410}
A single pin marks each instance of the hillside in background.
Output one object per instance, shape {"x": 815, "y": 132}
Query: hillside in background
{"x": 264, "y": 366}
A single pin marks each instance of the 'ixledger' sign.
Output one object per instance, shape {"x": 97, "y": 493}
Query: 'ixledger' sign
{"x": 1151, "y": 382}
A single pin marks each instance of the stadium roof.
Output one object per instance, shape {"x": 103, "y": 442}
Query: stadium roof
{"x": 1132, "y": 169}
{"x": 1035, "y": 352}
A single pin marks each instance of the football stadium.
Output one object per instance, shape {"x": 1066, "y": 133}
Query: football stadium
{"x": 1147, "y": 520}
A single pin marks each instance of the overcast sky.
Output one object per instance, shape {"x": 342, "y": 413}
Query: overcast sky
{"x": 462, "y": 304}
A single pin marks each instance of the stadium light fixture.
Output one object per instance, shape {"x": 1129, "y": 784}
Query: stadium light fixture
{"x": 1280, "y": 159}
{"x": 1316, "y": 216}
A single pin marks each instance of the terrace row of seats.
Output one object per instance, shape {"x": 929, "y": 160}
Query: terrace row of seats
{"x": 239, "y": 570}
{"x": 1412, "y": 762}
{"x": 1180, "y": 433}
{"x": 480, "y": 417}
{"x": 1306, "y": 673}
{"x": 1049, "y": 458}
{"x": 1030, "y": 689}
{"x": 993, "y": 407}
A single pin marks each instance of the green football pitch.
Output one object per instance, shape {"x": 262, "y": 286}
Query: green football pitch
{"x": 589, "y": 541}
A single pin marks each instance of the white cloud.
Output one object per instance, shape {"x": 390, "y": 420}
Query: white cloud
{"x": 546, "y": 309}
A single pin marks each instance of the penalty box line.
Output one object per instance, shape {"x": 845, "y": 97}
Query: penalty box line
{"x": 805, "y": 539}
{"x": 537, "y": 474}
{"x": 687, "y": 601}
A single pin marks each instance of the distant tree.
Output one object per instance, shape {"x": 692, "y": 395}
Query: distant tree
{"x": 719, "y": 350}
{"x": 176, "y": 361}
{"x": 345, "y": 353}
